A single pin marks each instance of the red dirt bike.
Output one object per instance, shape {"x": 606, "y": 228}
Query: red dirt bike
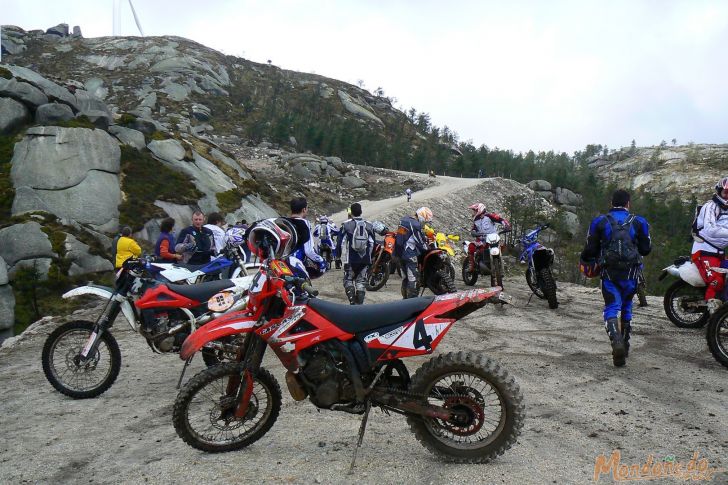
{"x": 81, "y": 359}
{"x": 461, "y": 406}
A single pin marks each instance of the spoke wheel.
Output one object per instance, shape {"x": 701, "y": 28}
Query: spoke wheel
{"x": 681, "y": 305}
{"x": 469, "y": 278}
{"x": 68, "y": 372}
{"x": 717, "y": 335}
{"x": 486, "y": 404}
{"x": 204, "y": 411}
{"x": 533, "y": 283}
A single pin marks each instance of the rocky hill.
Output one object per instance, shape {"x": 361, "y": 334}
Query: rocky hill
{"x": 684, "y": 170}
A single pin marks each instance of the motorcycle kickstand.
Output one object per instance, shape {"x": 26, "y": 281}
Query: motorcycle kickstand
{"x": 362, "y": 428}
{"x": 529, "y": 300}
{"x": 182, "y": 374}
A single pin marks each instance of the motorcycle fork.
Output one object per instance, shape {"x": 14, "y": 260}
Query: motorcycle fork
{"x": 252, "y": 357}
{"x": 103, "y": 324}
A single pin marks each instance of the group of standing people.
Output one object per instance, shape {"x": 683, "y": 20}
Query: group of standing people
{"x": 196, "y": 244}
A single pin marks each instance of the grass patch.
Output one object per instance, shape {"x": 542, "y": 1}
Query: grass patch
{"x": 5, "y": 73}
{"x": 145, "y": 180}
{"x": 80, "y": 122}
{"x": 126, "y": 119}
{"x": 158, "y": 135}
{"x": 7, "y": 192}
{"x": 229, "y": 201}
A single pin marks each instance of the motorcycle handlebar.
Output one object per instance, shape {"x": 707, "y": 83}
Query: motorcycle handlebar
{"x": 302, "y": 284}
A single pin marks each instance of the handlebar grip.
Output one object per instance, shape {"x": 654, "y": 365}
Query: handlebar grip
{"x": 309, "y": 289}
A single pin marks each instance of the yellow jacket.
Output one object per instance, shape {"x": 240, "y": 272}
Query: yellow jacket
{"x": 126, "y": 248}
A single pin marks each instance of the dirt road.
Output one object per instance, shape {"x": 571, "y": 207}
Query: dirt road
{"x": 669, "y": 401}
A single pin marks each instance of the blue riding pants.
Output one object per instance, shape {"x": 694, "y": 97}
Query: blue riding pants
{"x": 618, "y": 296}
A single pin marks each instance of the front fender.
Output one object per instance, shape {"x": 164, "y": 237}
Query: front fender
{"x": 224, "y": 326}
{"x": 105, "y": 293}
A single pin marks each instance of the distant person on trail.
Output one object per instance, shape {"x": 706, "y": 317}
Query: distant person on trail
{"x": 409, "y": 244}
{"x": 215, "y": 223}
{"x": 126, "y": 248}
{"x": 358, "y": 236}
{"x": 408, "y": 193}
{"x": 710, "y": 235}
{"x": 195, "y": 241}
{"x": 164, "y": 248}
{"x": 615, "y": 244}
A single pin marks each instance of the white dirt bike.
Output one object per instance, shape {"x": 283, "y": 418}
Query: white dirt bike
{"x": 684, "y": 300}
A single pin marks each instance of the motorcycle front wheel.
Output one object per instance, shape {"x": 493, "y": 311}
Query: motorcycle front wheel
{"x": 68, "y": 372}
{"x": 204, "y": 411}
{"x": 378, "y": 276}
{"x": 487, "y": 406}
{"x": 469, "y": 278}
{"x": 685, "y": 305}
{"x": 496, "y": 273}
{"x": 717, "y": 335}
{"x": 441, "y": 283}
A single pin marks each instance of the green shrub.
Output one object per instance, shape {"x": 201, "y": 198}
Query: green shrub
{"x": 144, "y": 180}
{"x": 80, "y": 122}
{"x": 5, "y": 73}
{"x": 158, "y": 135}
{"x": 126, "y": 119}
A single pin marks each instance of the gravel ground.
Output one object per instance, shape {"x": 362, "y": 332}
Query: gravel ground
{"x": 664, "y": 402}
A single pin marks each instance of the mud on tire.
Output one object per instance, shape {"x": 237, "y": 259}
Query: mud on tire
{"x": 548, "y": 285}
{"x": 180, "y": 415}
{"x": 503, "y": 389}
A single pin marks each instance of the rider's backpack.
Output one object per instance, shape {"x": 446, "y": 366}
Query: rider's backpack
{"x": 620, "y": 252}
{"x": 323, "y": 231}
{"x": 360, "y": 238}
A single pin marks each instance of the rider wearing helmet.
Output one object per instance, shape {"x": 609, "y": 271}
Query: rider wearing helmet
{"x": 616, "y": 241}
{"x": 411, "y": 243}
{"x": 484, "y": 223}
{"x": 304, "y": 250}
{"x": 710, "y": 233}
{"x": 325, "y": 231}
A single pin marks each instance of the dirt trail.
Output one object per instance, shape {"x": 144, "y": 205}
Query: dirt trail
{"x": 669, "y": 400}
{"x": 446, "y": 186}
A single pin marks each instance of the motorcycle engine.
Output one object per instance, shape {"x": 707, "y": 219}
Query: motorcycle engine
{"x": 325, "y": 374}
{"x": 156, "y": 326}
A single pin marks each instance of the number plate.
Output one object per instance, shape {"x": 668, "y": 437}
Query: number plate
{"x": 505, "y": 298}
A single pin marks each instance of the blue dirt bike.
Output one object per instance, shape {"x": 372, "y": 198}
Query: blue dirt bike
{"x": 540, "y": 259}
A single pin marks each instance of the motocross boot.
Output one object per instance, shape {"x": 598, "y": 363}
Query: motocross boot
{"x": 626, "y": 330}
{"x": 359, "y": 299}
{"x": 350, "y": 294}
{"x": 615, "y": 336}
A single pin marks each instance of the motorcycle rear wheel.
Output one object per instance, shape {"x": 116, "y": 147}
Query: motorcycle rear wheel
{"x": 469, "y": 278}
{"x": 548, "y": 286}
{"x": 495, "y": 401}
{"x": 65, "y": 372}
{"x": 681, "y": 292}
{"x": 717, "y": 335}
{"x": 217, "y": 425}
{"x": 441, "y": 283}
{"x": 533, "y": 284}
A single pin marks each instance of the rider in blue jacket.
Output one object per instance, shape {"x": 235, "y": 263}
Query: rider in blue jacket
{"x": 616, "y": 243}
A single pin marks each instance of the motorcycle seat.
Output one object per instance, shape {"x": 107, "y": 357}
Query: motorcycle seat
{"x": 361, "y": 318}
{"x": 202, "y": 291}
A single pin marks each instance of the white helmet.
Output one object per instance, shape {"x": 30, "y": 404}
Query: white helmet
{"x": 379, "y": 228}
{"x": 235, "y": 236}
{"x": 424, "y": 214}
{"x": 478, "y": 209}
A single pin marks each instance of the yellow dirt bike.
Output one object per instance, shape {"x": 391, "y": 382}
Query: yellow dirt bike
{"x": 442, "y": 241}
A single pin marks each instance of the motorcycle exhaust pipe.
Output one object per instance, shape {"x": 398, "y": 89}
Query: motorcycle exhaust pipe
{"x": 298, "y": 393}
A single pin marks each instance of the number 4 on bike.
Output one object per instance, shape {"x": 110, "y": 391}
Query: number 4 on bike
{"x": 462, "y": 406}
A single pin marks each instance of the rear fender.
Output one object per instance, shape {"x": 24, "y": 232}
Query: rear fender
{"x": 224, "y": 326}
{"x": 422, "y": 335}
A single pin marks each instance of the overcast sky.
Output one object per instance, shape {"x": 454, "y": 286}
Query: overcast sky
{"x": 520, "y": 75}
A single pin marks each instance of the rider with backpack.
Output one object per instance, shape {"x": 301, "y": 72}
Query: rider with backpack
{"x": 358, "y": 235}
{"x": 710, "y": 235}
{"x": 409, "y": 244}
{"x": 614, "y": 248}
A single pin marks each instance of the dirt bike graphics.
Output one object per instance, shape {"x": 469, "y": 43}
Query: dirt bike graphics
{"x": 684, "y": 300}
{"x": 381, "y": 258}
{"x": 488, "y": 260}
{"x": 232, "y": 263}
{"x": 82, "y": 359}
{"x": 349, "y": 359}
{"x": 442, "y": 241}
{"x": 540, "y": 259}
